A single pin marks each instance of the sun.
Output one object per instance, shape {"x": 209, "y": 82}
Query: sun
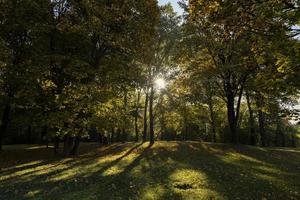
{"x": 160, "y": 83}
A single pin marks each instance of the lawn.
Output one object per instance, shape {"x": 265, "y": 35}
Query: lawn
{"x": 166, "y": 170}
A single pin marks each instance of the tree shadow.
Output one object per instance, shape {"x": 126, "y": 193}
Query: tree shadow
{"x": 147, "y": 172}
{"x": 239, "y": 178}
{"x": 31, "y": 172}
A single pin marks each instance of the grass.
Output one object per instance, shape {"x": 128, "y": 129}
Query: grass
{"x": 166, "y": 170}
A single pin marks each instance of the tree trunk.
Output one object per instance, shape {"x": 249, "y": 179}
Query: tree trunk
{"x": 4, "y": 123}
{"x": 212, "y": 120}
{"x": 162, "y": 126}
{"x": 151, "y": 115}
{"x": 232, "y": 113}
{"x": 145, "y": 116}
{"x": 101, "y": 140}
{"x": 280, "y": 138}
{"x": 185, "y": 130}
{"x": 124, "y": 135}
{"x": 251, "y": 122}
{"x": 294, "y": 140}
{"x": 112, "y": 136}
{"x": 29, "y": 134}
{"x": 75, "y": 148}
{"x": 124, "y": 132}
{"x": 261, "y": 121}
{"x": 231, "y": 118}
{"x": 56, "y": 145}
{"x": 136, "y": 116}
{"x": 44, "y": 136}
{"x": 68, "y": 143}
{"x": 118, "y": 135}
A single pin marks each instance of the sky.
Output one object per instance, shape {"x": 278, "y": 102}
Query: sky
{"x": 174, "y": 4}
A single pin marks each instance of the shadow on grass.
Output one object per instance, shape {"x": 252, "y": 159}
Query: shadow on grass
{"x": 173, "y": 170}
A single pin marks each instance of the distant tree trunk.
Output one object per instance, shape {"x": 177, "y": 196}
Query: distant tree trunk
{"x": 145, "y": 116}
{"x": 105, "y": 139}
{"x": 280, "y": 138}
{"x": 162, "y": 125}
{"x": 151, "y": 115}
{"x": 118, "y": 135}
{"x": 251, "y": 121}
{"x": 56, "y": 145}
{"x": 294, "y": 140}
{"x": 136, "y": 116}
{"x": 75, "y": 148}
{"x": 101, "y": 141}
{"x": 4, "y": 122}
{"x": 68, "y": 143}
{"x": 124, "y": 133}
{"x": 261, "y": 120}
{"x": 184, "y": 130}
{"x": 44, "y": 136}
{"x": 212, "y": 119}
{"x": 112, "y": 136}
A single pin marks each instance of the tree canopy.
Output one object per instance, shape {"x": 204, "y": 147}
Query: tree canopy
{"x": 116, "y": 71}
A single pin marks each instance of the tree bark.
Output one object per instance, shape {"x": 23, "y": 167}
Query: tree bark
{"x": 4, "y": 123}
{"x": 145, "y": 116}
{"x": 251, "y": 121}
{"x": 151, "y": 115}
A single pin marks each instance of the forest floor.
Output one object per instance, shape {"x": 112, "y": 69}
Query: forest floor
{"x": 166, "y": 170}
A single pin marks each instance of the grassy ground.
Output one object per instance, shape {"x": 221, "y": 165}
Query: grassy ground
{"x": 166, "y": 170}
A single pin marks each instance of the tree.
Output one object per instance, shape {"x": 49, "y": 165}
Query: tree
{"x": 163, "y": 49}
{"x": 229, "y": 33}
{"x": 23, "y": 31}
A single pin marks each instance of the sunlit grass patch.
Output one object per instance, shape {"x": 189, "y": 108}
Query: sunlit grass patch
{"x": 32, "y": 194}
{"x": 235, "y": 157}
{"x": 153, "y": 192}
{"x": 194, "y": 178}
